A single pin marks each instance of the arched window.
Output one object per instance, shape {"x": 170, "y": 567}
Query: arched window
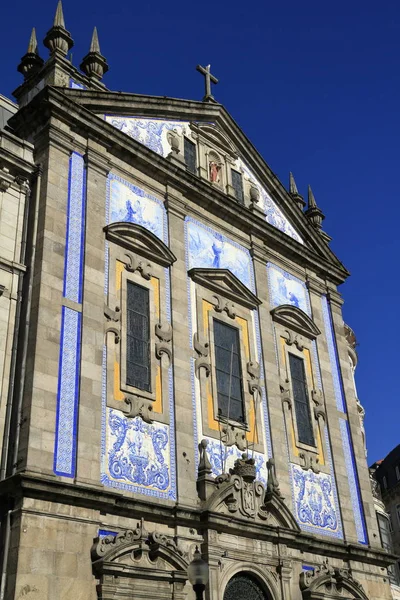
{"x": 244, "y": 586}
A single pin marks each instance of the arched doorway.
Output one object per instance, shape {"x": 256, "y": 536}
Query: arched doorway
{"x": 243, "y": 586}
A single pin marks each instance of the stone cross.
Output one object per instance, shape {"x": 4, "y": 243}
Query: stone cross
{"x": 208, "y": 79}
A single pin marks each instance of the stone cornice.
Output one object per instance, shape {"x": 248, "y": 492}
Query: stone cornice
{"x": 57, "y": 102}
{"x": 48, "y": 488}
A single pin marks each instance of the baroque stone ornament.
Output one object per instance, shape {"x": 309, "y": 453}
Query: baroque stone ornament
{"x": 203, "y": 360}
{"x": 164, "y": 334}
{"x": 58, "y": 40}
{"x": 222, "y": 305}
{"x": 137, "y": 406}
{"x": 137, "y": 563}
{"x": 232, "y": 434}
{"x": 330, "y": 582}
{"x": 31, "y": 62}
{"x": 239, "y": 494}
{"x": 135, "y": 264}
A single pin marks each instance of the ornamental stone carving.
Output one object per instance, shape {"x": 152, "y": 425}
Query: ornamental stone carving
{"x": 136, "y": 406}
{"x": 164, "y": 334}
{"x": 135, "y": 264}
{"x": 330, "y": 582}
{"x": 239, "y": 494}
{"x": 203, "y": 360}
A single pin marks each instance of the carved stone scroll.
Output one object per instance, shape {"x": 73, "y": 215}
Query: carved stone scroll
{"x": 203, "y": 360}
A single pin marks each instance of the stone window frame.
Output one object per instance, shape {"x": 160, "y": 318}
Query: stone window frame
{"x": 133, "y": 253}
{"x": 299, "y": 332}
{"x": 207, "y": 379}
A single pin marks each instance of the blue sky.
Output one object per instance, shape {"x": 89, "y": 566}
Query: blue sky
{"x": 315, "y": 86}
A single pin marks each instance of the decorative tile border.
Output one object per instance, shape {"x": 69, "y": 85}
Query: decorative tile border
{"x": 68, "y": 393}
{"x": 73, "y": 268}
{"x": 354, "y": 486}
{"x": 333, "y": 356}
{"x": 71, "y": 323}
{"x": 127, "y": 202}
{"x": 206, "y": 247}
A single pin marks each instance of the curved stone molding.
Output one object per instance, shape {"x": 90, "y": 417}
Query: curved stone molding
{"x": 328, "y": 582}
{"x": 224, "y": 283}
{"x": 135, "y": 562}
{"x": 137, "y": 238}
{"x": 296, "y": 319}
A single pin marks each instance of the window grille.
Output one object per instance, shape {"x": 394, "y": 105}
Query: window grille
{"x": 138, "y": 337}
{"x": 190, "y": 155}
{"x": 237, "y": 184}
{"x": 228, "y": 369}
{"x": 301, "y": 402}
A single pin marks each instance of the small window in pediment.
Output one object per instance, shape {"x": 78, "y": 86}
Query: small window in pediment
{"x": 237, "y": 184}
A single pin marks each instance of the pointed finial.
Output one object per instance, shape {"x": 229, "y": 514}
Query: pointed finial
{"x": 58, "y": 40}
{"x": 294, "y": 192}
{"x": 94, "y": 45}
{"x": 32, "y": 46}
{"x": 31, "y": 61}
{"x": 59, "y": 16}
{"x": 292, "y": 184}
{"x": 94, "y": 64}
{"x": 315, "y": 214}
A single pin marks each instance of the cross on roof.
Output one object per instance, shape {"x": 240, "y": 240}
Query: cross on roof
{"x": 208, "y": 78}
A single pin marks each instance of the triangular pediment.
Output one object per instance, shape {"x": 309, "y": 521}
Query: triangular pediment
{"x": 296, "y": 319}
{"x": 140, "y": 240}
{"x": 150, "y": 121}
{"x": 226, "y": 284}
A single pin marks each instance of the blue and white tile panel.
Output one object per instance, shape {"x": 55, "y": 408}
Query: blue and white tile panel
{"x": 354, "y": 486}
{"x": 71, "y": 323}
{"x": 207, "y": 248}
{"x": 73, "y": 268}
{"x": 315, "y": 499}
{"x": 68, "y": 393}
{"x": 137, "y": 456}
{"x": 153, "y": 133}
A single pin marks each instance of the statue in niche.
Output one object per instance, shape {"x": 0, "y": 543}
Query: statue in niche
{"x": 215, "y": 169}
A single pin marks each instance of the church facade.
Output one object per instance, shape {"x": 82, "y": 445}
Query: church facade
{"x": 182, "y": 374}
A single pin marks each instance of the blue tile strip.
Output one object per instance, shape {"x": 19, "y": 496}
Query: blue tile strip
{"x": 354, "y": 486}
{"x": 73, "y": 269}
{"x": 71, "y": 323}
{"x": 68, "y": 393}
{"x": 348, "y": 450}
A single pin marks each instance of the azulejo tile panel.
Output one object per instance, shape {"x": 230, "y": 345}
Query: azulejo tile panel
{"x": 70, "y": 339}
{"x": 314, "y": 502}
{"x": 285, "y": 288}
{"x": 223, "y": 458}
{"x": 354, "y": 486}
{"x": 73, "y": 268}
{"x": 206, "y": 247}
{"x": 273, "y": 213}
{"x": 149, "y": 132}
{"x": 209, "y": 248}
{"x": 128, "y": 202}
{"x": 68, "y": 393}
{"x": 137, "y": 455}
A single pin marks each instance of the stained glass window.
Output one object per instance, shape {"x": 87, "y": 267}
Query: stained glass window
{"x": 301, "y": 402}
{"x": 138, "y": 337}
{"x": 237, "y": 184}
{"x": 244, "y": 587}
{"x": 228, "y": 369}
{"x": 190, "y": 155}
